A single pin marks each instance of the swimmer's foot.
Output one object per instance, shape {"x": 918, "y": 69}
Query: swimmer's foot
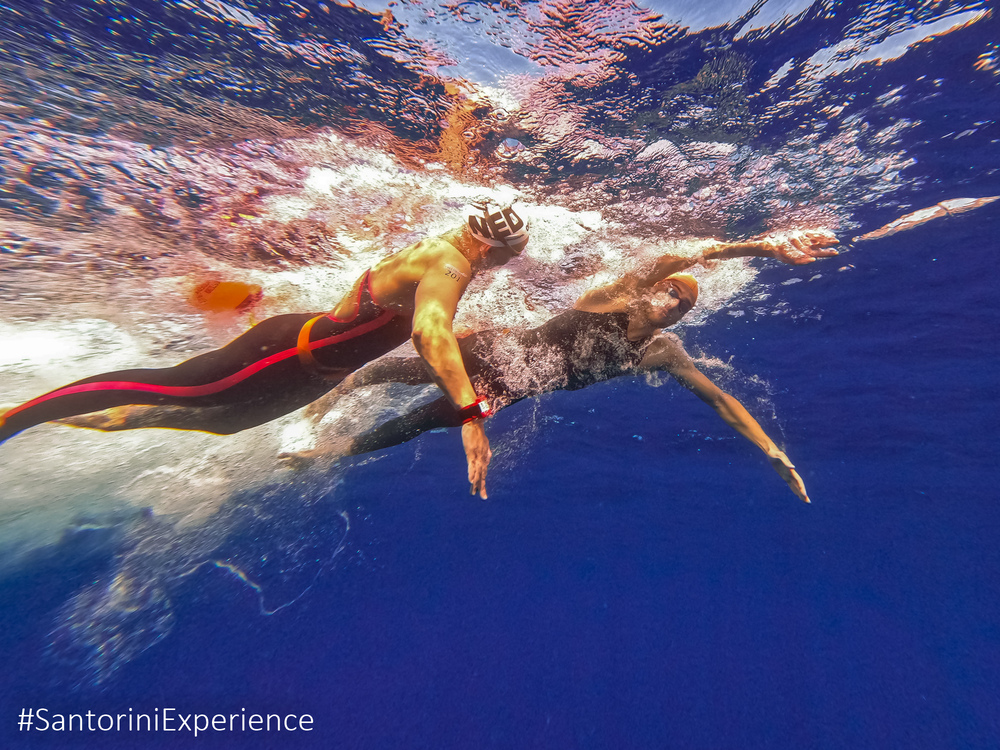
{"x": 130, "y": 417}
{"x": 331, "y": 450}
{"x": 299, "y": 460}
{"x": 109, "y": 420}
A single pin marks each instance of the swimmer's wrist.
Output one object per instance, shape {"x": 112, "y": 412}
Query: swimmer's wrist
{"x": 478, "y": 409}
{"x": 728, "y": 250}
{"x": 778, "y": 456}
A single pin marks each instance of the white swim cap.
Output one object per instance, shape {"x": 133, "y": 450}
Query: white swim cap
{"x": 496, "y": 226}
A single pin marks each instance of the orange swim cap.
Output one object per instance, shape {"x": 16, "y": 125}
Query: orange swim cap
{"x": 687, "y": 287}
{"x": 687, "y": 280}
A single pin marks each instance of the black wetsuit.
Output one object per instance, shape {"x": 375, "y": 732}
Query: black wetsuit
{"x": 279, "y": 365}
{"x": 571, "y": 351}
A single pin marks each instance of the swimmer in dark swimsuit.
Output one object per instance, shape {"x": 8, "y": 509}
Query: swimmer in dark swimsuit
{"x": 288, "y": 361}
{"x": 612, "y": 331}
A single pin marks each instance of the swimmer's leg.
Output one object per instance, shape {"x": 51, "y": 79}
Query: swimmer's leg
{"x": 406, "y": 370}
{"x": 219, "y": 420}
{"x": 258, "y": 371}
{"x": 435, "y": 415}
{"x": 431, "y": 416}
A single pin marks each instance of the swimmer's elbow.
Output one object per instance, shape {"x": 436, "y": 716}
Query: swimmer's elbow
{"x": 419, "y": 338}
{"x": 427, "y": 339}
{"x": 717, "y": 398}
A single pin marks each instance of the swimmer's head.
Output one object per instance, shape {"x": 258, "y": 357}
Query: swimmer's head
{"x": 498, "y": 228}
{"x": 686, "y": 285}
{"x": 671, "y": 299}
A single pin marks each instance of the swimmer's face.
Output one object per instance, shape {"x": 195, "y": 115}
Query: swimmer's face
{"x": 498, "y": 256}
{"x": 667, "y": 304}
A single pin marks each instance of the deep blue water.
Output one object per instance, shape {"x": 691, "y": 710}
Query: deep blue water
{"x": 639, "y": 577}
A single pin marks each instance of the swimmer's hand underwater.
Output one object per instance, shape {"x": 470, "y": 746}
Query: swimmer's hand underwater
{"x": 477, "y": 450}
{"x": 794, "y": 248}
{"x": 801, "y": 247}
{"x": 301, "y": 460}
{"x": 786, "y": 470}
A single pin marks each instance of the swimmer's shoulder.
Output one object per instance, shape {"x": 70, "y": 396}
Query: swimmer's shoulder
{"x": 395, "y": 278}
{"x": 428, "y": 254}
{"x": 665, "y": 352}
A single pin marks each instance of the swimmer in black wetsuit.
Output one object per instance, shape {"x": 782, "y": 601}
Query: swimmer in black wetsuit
{"x": 612, "y": 331}
{"x": 267, "y": 371}
{"x": 287, "y": 361}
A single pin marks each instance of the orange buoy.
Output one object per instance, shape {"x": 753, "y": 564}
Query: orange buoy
{"x": 225, "y": 296}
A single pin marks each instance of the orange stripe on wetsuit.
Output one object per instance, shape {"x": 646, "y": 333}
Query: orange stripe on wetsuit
{"x": 374, "y": 316}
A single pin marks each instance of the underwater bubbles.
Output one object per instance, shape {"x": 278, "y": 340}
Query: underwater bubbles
{"x": 277, "y": 543}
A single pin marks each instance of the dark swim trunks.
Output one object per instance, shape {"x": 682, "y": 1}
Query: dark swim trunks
{"x": 279, "y": 365}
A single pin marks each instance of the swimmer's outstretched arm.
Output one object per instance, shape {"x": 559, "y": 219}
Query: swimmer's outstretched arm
{"x": 794, "y": 248}
{"x": 666, "y": 353}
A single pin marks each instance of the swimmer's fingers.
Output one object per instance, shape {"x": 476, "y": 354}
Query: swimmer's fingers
{"x": 787, "y": 249}
{"x": 786, "y": 470}
{"x": 332, "y": 448}
{"x": 478, "y": 455}
{"x": 797, "y": 486}
{"x": 800, "y": 248}
{"x": 822, "y": 238}
{"x": 817, "y": 243}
